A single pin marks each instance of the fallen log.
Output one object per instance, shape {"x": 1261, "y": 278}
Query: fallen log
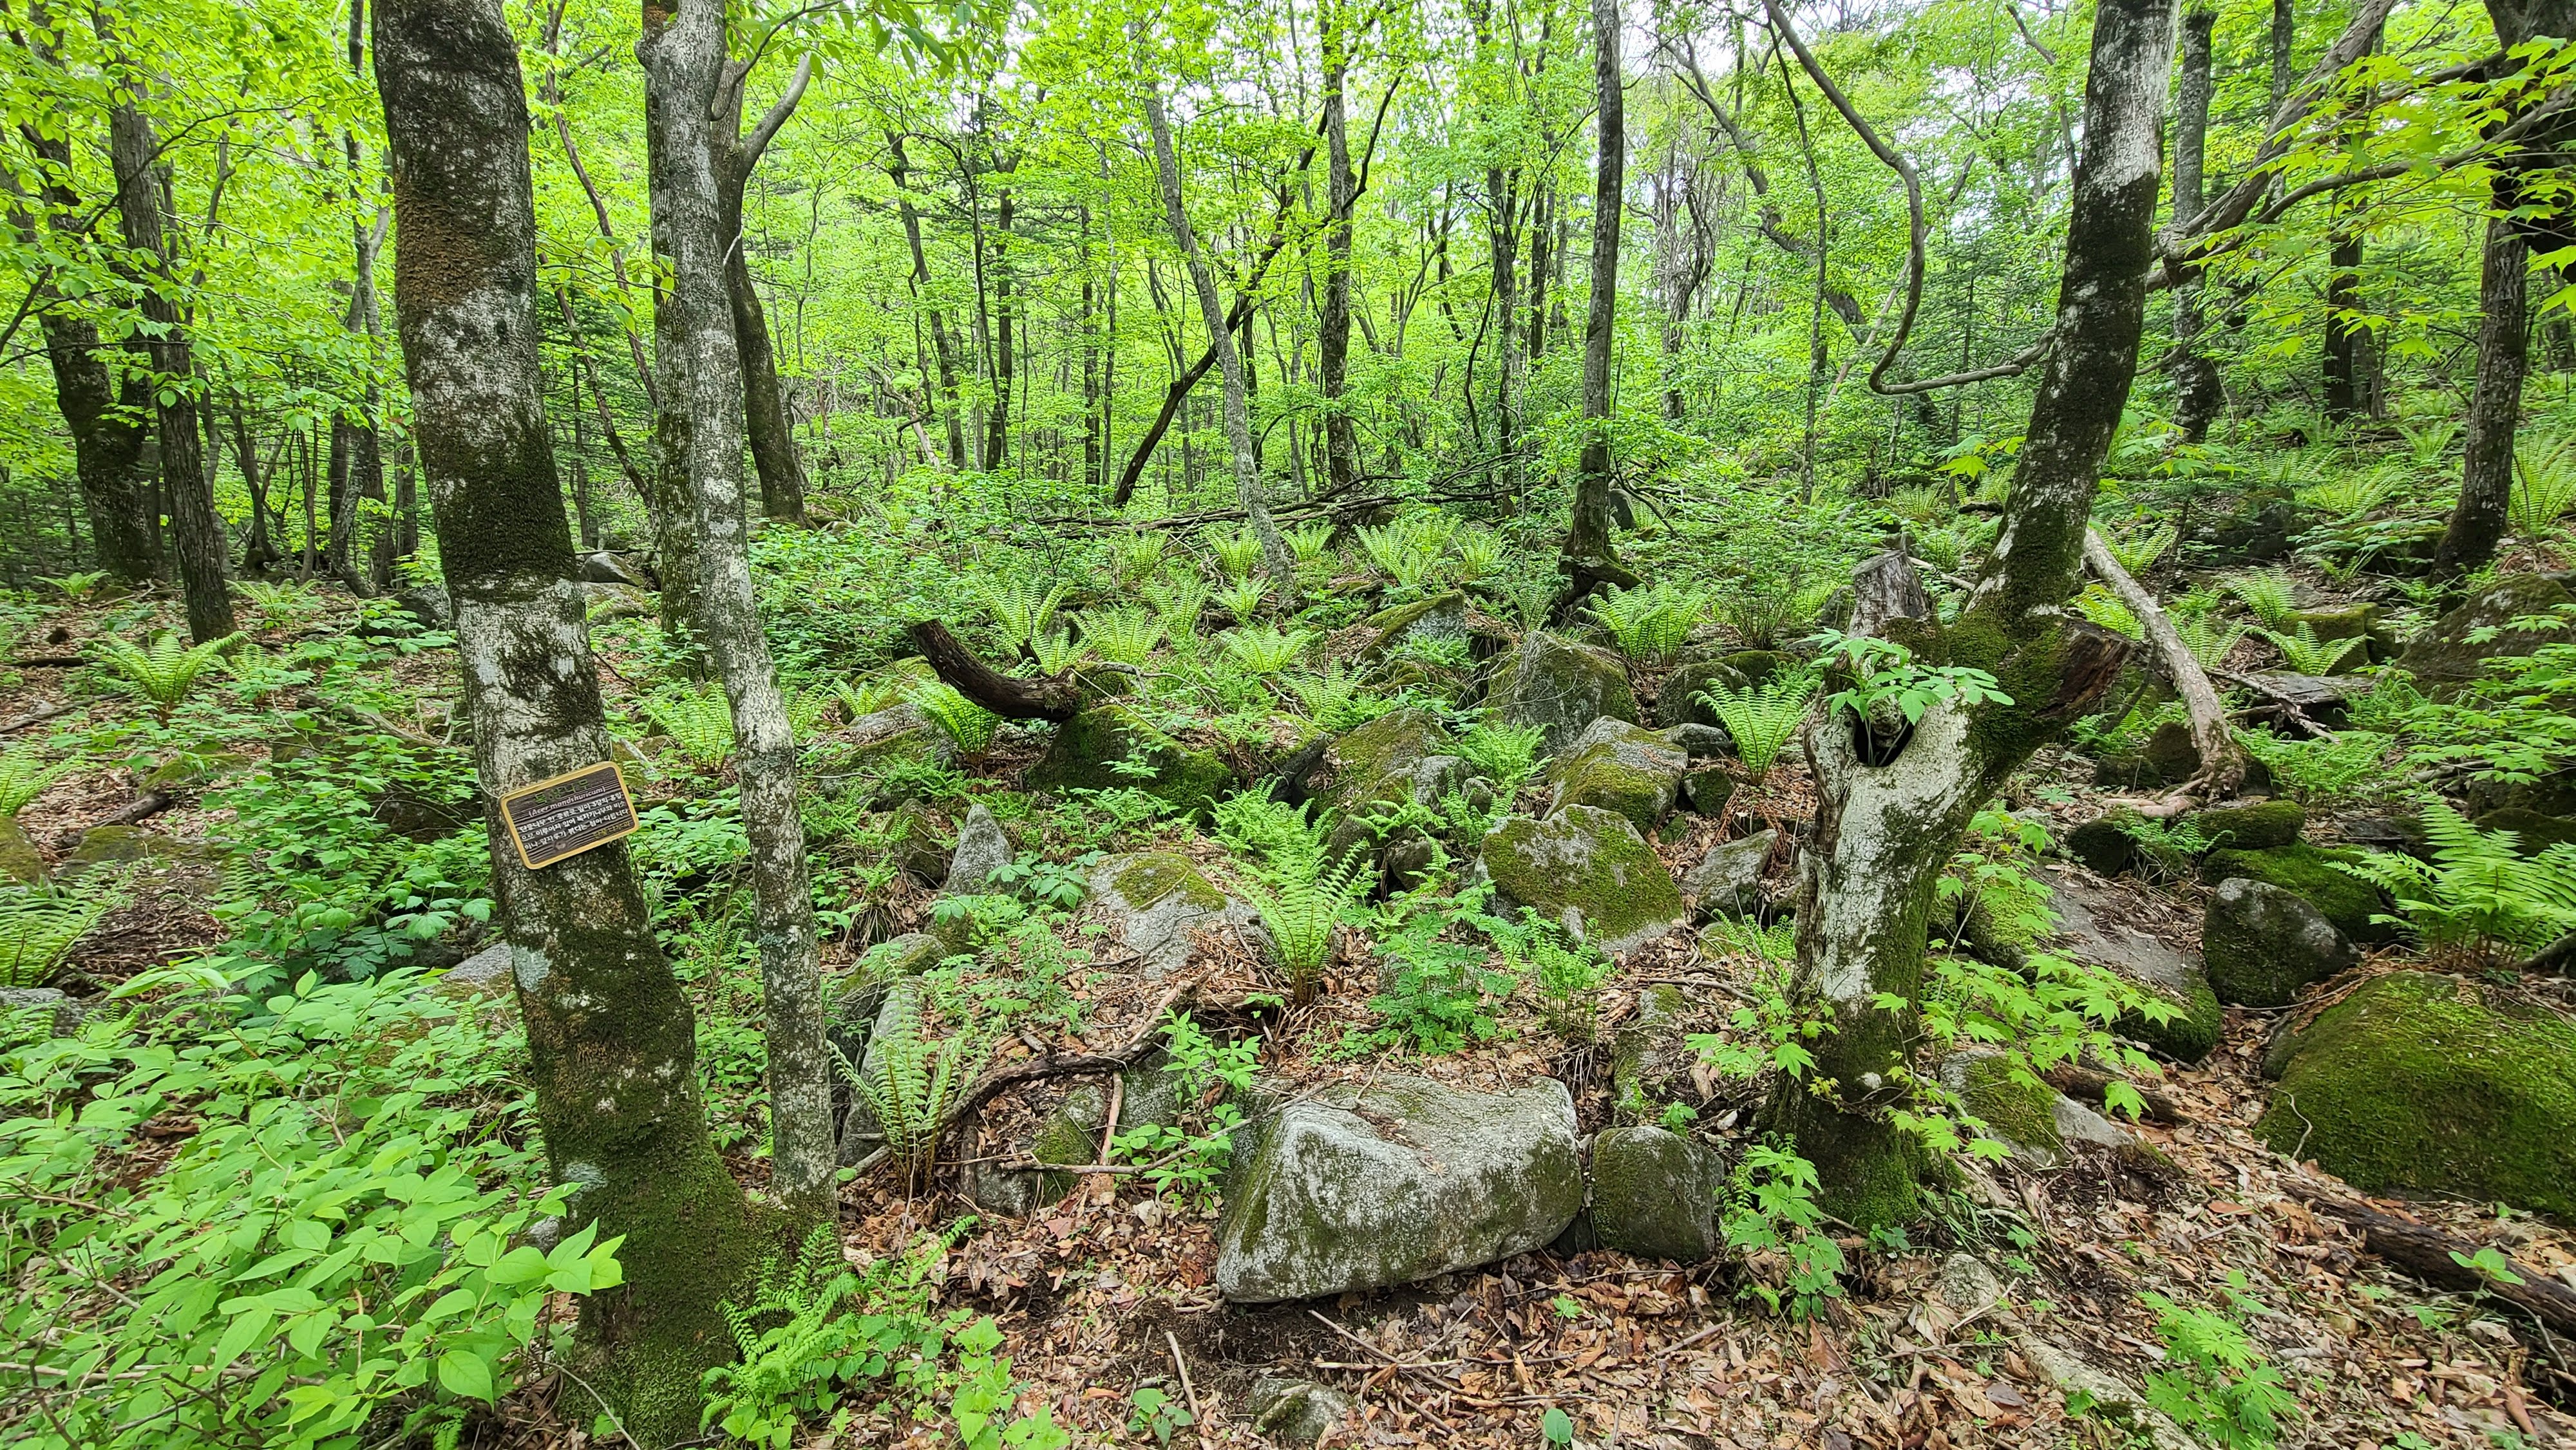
{"x": 2435, "y": 1256}
{"x": 1012, "y": 698}
{"x": 2222, "y": 760}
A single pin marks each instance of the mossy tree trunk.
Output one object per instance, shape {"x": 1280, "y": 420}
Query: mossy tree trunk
{"x": 701, "y": 430}
{"x": 1248, "y": 491}
{"x": 1888, "y": 820}
{"x": 1589, "y": 559}
{"x": 611, "y": 1044}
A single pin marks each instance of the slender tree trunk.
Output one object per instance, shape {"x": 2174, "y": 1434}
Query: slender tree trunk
{"x": 260, "y": 551}
{"x": 1894, "y": 803}
{"x": 1590, "y": 559}
{"x": 2342, "y": 355}
{"x": 2285, "y": 35}
{"x": 772, "y": 425}
{"x": 701, "y": 435}
{"x": 1333, "y": 340}
{"x": 2195, "y": 376}
{"x": 2495, "y": 405}
{"x": 611, "y": 1045}
{"x": 898, "y": 168}
{"x": 1248, "y": 493}
{"x": 141, "y": 200}
{"x": 1545, "y": 204}
{"x": 997, "y": 427}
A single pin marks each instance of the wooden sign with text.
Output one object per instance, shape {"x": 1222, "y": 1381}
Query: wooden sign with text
{"x": 556, "y": 819}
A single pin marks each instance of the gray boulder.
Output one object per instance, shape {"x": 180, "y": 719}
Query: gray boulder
{"x": 2042, "y": 1125}
{"x": 1729, "y": 878}
{"x": 1654, "y": 1195}
{"x": 608, "y": 602}
{"x": 1623, "y": 767}
{"x": 1297, "y": 1413}
{"x": 2452, "y": 652}
{"x": 2263, "y": 944}
{"x": 2093, "y": 926}
{"x": 1357, "y": 1189}
{"x": 484, "y": 976}
{"x": 982, "y": 849}
{"x": 20, "y": 861}
{"x": 1156, "y": 901}
{"x": 1560, "y": 687}
{"x": 1700, "y": 742}
{"x": 427, "y": 604}
{"x": 1399, "y": 756}
{"x": 608, "y": 567}
{"x": 1586, "y": 868}
{"x": 63, "y": 1016}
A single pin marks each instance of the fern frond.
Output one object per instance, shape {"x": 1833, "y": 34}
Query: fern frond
{"x": 23, "y": 778}
{"x": 1764, "y": 718}
{"x": 39, "y": 926}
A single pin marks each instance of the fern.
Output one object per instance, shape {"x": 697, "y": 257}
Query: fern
{"x": 1309, "y": 542}
{"x": 912, "y": 1083}
{"x": 2479, "y": 892}
{"x": 2140, "y": 548}
{"x": 1237, "y": 553}
{"x": 1018, "y": 606}
{"x": 1180, "y": 601}
{"x": 1507, "y": 755}
{"x": 281, "y": 606}
{"x": 38, "y": 927}
{"x": 1763, "y": 718}
{"x": 2348, "y": 496}
{"x": 1334, "y": 699}
{"x": 1301, "y": 895}
{"x": 1121, "y": 636}
{"x": 80, "y": 584}
{"x": 2544, "y": 484}
{"x": 2305, "y": 654}
{"x": 1763, "y": 613}
{"x": 2104, "y": 608}
{"x": 2349, "y": 767}
{"x": 2268, "y": 593}
{"x": 1649, "y": 625}
{"x": 23, "y": 778}
{"x": 1057, "y": 651}
{"x": 1480, "y": 552}
{"x": 1264, "y": 650}
{"x": 1398, "y": 551}
{"x": 2210, "y": 639}
{"x": 163, "y": 674}
{"x": 883, "y": 690}
{"x": 1243, "y": 597}
{"x": 968, "y": 724}
{"x": 1135, "y": 557}
{"x": 698, "y": 721}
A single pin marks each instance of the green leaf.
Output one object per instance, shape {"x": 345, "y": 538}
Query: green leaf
{"x": 460, "y": 1373}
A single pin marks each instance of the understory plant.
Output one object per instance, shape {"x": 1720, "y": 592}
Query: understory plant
{"x": 23, "y": 777}
{"x": 162, "y": 675}
{"x": 39, "y": 925}
{"x": 911, "y": 1081}
{"x": 698, "y": 720}
{"x": 2479, "y": 893}
{"x": 1301, "y": 890}
{"x": 1436, "y": 994}
{"x": 1649, "y": 624}
{"x": 1762, "y": 719}
{"x": 1187, "y": 1159}
{"x": 1568, "y": 974}
{"x": 968, "y": 725}
{"x": 2220, "y": 1386}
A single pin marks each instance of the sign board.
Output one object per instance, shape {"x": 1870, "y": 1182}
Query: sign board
{"x": 563, "y": 817}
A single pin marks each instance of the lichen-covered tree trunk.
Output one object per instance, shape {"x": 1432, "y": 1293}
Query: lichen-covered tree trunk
{"x": 1276, "y": 561}
{"x": 771, "y": 424}
{"x": 142, "y": 184}
{"x": 1887, "y": 822}
{"x": 2495, "y": 405}
{"x": 1333, "y": 328}
{"x": 2196, "y": 391}
{"x": 1589, "y": 558}
{"x": 699, "y": 388}
{"x": 611, "y": 1044}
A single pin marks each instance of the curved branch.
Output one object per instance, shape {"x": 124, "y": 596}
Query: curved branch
{"x": 1009, "y": 697}
{"x": 759, "y": 140}
{"x": 2222, "y": 760}
{"x": 1895, "y": 161}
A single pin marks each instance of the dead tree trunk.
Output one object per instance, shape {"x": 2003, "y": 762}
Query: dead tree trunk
{"x": 701, "y": 433}
{"x": 1891, "y": 814}
{"x": 1276, "y": 561}
{"x": 611, "y": 1045}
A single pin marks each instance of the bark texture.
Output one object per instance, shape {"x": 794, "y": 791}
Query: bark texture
{"x": 2495, "y": 405}
{"x": 701, "y": 431}
{"x": 1893, "y": 805}
{"x": 142, "y": 187}
{"x": 1588, "y": 553}
{"x": 1333, "y": 328}
{"x": 611, "y": 1043}
{"x": 2195, "y": 377}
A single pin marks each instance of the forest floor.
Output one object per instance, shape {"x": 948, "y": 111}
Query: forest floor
{"x": 1113, "y": 1288}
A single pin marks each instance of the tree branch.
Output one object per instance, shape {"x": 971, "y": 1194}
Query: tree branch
{"x": 2222, "y": 760}
{"x": 1014, "y": 699}
{"x": 761, "y": 135}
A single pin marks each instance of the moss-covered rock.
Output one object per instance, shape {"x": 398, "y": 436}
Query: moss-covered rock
{"x": 1678, "y": 701}
{"x": 1588, "y": 868}
{"x": 1089, "y": 747}
{"x": 1759, "y": 665}
{"x": 1709, "y": 791}
{"x": 1157, "y": 902}
{"x": 1654, "y": 1195}
{"x": 2253, "y": 826}
{"x": 1559, "y": 686}
{"x": 1296, "y": 1414}
{"x": 2262, "y": 944}
{"x": 1369, "y": 1188}
{"x": 2448, "y": 653}
{"x": 2309, "y": 872}
{"x": 1442, "y": 616}
{"x": 2092, "y": 927}
{"x": 2102, "y": 846}
{"x": 1380, "y": 762}
{"x": 1620, "y": 767}
{"x": 2429, "y": 1084}
{"x": 20, "y": 861}
{"x": 1649, "y": 1056}
{"x": 2040, "y": 1123}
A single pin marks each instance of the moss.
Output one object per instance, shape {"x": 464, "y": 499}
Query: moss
{"x": 1621, "y": 774}
{"x": 2308, "y": 872}
{"x": 2190, "y": 1034}
{"x": 2022, "y": 1113}
{"x": 1588, "y": 861}
{"x": 1155, "y": 875}
{"x": 1088, "y": 748}
{"x": 2101, "y": 845}
{"x": 2255, "y": 826}
{"x": 1654, "y": 1194}
{"x": 2421, "y": 1083}
{"x": 1062, "y": 1140}
{"x": 1758, "y": 665}
{"x": 1677, "y": 701}
{"x": 1374, "y": 762}
{"x": 1442, "y": 614}
{"x": 1560, "y": 687}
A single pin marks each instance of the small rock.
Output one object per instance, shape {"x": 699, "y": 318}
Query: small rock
{"x": 20, "y": 861}
{"x": 2311, "y": 873}
{"x": 1622, "y": 767}
{"x": 2253, "y": 826}
{"x": 1443, "y": 616}
{"x": 608, "y": 602}
{"x": 63, "y": 1016}
{"x": 1700, "y": 742}
{"x": 1295, "y": 1412}
{"x": 427, "y": 605}
{"x": 1158, "y": 901}
{"x": 608, "y": 567}
{"x": 982, "y": 849}
{"x": 2263, "y": 944}
{"x": 2102, "y": 846}
{"x": 1679, "y": 701}
{"x": 1654, "y": 1195}
{"x": 1707, "y": 792}
{"x": 484, "y": 976}
{"x": 1967, "y": 1285}
{"x": 918, "y": 834}
{"x": 1355, "y": 1189}
{"x": 1728, "y": 880}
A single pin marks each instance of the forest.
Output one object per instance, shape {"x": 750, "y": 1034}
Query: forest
{"x": 1699, "y": 725}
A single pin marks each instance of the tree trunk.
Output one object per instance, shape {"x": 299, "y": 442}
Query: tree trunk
{"x": 2343, "y": 363}
{"x": 701, "y": 434}
{"x": 141, "y": 187}
{"x": 2495, "y": 405}
{"x": 1276, "y": 561}
{"x": 897, "y": 167}
{"x": 1333, "y": 340}
{"x": 2285, "y": 34}
{"x": 2195, "y": 376}
{"x": 612, "y": 1049}
{"x": 1589, "y": 558}
{"x": 1891, "y": 813}
{"x": 772, "y": 425}
{"x": 997, "y": 427}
